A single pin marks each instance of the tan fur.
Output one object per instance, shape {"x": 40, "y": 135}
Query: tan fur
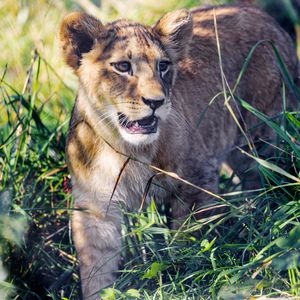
{"x": 96, "y": 137}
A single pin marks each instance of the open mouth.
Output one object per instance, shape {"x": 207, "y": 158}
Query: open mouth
{"x": 143, "y": 126}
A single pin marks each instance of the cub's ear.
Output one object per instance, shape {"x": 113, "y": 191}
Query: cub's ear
{"x": 175, "y": 30}
{"x": 78, "y": 33}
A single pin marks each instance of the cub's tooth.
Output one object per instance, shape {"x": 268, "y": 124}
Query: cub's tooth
{"x": 136, "y": 124}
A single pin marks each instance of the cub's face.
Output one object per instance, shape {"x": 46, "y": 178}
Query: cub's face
{"x": 127, "y": 70}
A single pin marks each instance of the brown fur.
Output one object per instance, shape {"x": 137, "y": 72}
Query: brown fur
{"x": 188, "y": 41}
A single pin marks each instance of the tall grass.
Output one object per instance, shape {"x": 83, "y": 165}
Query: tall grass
{"x": 250, "y": 250}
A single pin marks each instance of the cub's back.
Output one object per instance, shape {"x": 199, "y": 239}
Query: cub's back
{"x": 239, "y": 29}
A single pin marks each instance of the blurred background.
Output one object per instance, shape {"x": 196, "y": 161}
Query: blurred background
{"x": 33, "y": 24}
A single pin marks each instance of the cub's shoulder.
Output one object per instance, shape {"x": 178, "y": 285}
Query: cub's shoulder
{"x": 226, "y": 14}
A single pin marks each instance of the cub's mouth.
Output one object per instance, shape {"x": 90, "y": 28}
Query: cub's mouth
{"x": 142, "y": 126}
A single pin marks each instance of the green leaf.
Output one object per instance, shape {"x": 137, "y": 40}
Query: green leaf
{"x": 293, "y": 119}
{"x": 272, "y": 166}
{"x": 292, "y": 241}
{"x": 133, "y": 293}
{"x": 287, "y": 261}
{"x": 108, "y": 294}
{"x": 237, "y": 291}
{"x": 206, "y": 245}
{"x": 155, "y": 268}
{"x": 280, "y": 132}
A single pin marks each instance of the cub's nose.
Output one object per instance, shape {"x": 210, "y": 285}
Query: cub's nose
{"x": 154, "y": 104}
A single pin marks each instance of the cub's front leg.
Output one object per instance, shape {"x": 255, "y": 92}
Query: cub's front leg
{"x": 96, "y": 220}
{"x": 97, "y": 238}
{"x": 195, "y": 202}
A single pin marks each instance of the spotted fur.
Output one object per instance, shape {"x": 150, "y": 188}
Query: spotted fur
{"x": 111, "y": 106}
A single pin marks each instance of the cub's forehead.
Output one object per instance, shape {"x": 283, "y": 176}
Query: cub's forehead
{"x": 135, "y": 40}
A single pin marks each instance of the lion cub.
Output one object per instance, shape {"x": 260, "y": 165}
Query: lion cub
{"x": 141, "y": 93}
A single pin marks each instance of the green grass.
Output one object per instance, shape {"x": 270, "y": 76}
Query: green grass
{"x": 252, "y": 249}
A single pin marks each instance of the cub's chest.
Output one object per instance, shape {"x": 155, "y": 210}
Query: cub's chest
{"x": 127, "y": 178}
{"x": 100, "y": 170}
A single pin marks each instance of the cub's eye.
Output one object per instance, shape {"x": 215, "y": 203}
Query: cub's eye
{"x": 163, "y": 65}
{"x": 122, "y": 66}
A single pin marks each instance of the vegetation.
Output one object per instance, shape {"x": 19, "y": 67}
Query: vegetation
{"x": 249, "y": 250}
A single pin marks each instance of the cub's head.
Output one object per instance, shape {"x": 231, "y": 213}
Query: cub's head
{"x": 127, "y": 69}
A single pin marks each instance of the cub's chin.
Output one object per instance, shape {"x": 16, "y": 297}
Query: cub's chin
{"x": 138, "y": 139}
{"x": 139, "y": 132}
